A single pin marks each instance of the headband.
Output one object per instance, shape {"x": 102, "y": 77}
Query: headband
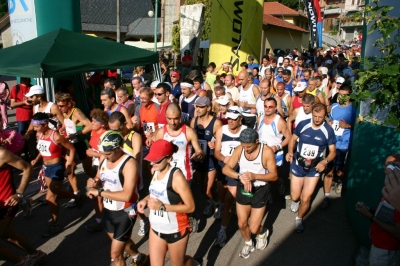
{"x": 187, "y": 85}
{"x": 39, "y": 122}
{"x": 176, "y": 74}
{"x": 98, "y": 120}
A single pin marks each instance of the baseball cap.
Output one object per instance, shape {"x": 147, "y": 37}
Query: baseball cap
{"x": 289, "y": 56}
{"x": 280, "y": 60}
{"x": 340, "y": 80}
{"x": 202, "y": 101}
{"x": 296, "y": 59}
{"x": 324, "y": 70}
{"x": 110, "y": 140}
{"x": 35, "y": 90}
{"x": 233, "y": 112}
{"x": 160, "y": 149}
{"x": 286, "y": 72}
{"x": 223, "y": 100}
{"x": 154, "y": 83}
{"x": 301, "y": 86}
{"x": 328, "y": 62}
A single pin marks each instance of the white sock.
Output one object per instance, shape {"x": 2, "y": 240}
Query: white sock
{"x": 327, "y": 195}
{"x": 249, "y": 243}
{"x": 137, "y": 257}
{"x": 297, "y": 218}
{"x": 76, "y": 193}
{"x": 98, "y": 220}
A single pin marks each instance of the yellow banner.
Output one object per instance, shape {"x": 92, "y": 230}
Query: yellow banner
{"x": 236, "y": 30}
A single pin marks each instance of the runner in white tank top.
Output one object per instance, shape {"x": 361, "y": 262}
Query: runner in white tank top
{"x": 247, "y": 96}
{"x": 301, "y": 116}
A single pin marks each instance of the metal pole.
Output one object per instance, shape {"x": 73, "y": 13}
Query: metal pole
{"x": 118, "y": 32}
{"x": 155, "y": 26}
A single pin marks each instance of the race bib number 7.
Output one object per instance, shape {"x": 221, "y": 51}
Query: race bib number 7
{"x": 309, "y": 151}
{"x": 179, "y": 163}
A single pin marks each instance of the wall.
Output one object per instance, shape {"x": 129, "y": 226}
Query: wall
{"x": 276, "y": 37}
{"x": 6, "y": 36}
{"x": 171, "y": 14}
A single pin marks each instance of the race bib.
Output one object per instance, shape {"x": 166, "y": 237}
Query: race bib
{"x": 110, "y": 204}
{"x": 69, "y": 126}
{"x": 161, "y": 125}
{"x": 178, "y": 162}
{"x": 227, "y": 150}
{"x": 149, "y": 127}
{"x": 309, "y": 151}
{"x": 203, "y": 145}
{"x": 338, "y": 130}
{"x": 43, "y": 147}
{"x": 162, "y": 216}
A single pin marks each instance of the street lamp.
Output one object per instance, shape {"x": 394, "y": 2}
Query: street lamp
{"x": 151, "y": 14}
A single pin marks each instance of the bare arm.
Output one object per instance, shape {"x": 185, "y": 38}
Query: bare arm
{"x": 291, "y": 118}
{"x": 292, "y": 141}
{"x": 217, "y": 151}
{"x": 129, "y": 123}
{"x": 192, "y": 137}
{"x": 81, "y": 117}
{"x": 286, "y": 132}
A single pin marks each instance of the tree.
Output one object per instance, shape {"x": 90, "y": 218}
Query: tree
{"x": 3, "y": 7}
{"x": 379, "y": 80}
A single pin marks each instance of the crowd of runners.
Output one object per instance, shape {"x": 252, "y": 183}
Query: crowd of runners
{"x": 230, "y": 134}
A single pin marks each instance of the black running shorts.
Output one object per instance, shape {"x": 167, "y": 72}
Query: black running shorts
{"x": 260, "y": 198}
{"x": 119, "y": 223}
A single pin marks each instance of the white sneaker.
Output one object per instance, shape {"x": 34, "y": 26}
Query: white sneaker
{"x": 246, "y": 250}
{"x": 294, "y": 207}
{"x": 262, "y": 240}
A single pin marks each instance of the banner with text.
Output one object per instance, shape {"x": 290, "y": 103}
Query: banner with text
{"x": 315, "y": 22}
{"x": 22, "y": 20}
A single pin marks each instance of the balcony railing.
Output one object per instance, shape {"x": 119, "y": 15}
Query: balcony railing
{"x": 351, "y": 23}
{"x": 332, "y": 11}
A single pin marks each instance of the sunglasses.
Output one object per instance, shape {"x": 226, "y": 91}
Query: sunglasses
{"x": 174, "y": 77}
{"x": 233, "y": 111}
{"x": 159, "y": 94}
{"x": 279, "y": 71}
{"x": 269, "y": 107}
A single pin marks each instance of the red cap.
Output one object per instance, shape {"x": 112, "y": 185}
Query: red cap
{"x": 174, "y": 73}
{"x": 159, "y": 150}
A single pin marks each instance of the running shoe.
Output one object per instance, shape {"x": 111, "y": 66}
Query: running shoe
{"x": 246, "y": 250}
{"x": 144, "y": 260}
{"x": 262, "y": 240}
{"x": 143, "y": 227}
{"x": 53, "y": 230}
{"x": 338, "y": 189}
{"x": 39, "y": 257}
{"x": 27, "y": 207}
{"x": 194, "y": 224}
{"x": 70, "y": 204}
{"x": 294, "y": 207}
{"x": 26, "y": 261}
{"x": 219, "y": 207}
{"x": 299, "y": 225}
{"x": 94, "y": 227}
{"x": 221, "y": 238}
{"x": 325, "y": 203}
{"x": 209, "y": 208}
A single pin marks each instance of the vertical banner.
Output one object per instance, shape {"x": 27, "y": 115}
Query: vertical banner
{"x": 315, "y": 22}
{"x": 22, "y": 20}
{"x": 236, "y": 31}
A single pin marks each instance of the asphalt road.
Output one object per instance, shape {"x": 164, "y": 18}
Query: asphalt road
{"x": 327, "y": 239}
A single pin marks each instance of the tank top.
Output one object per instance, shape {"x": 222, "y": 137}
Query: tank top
{"x": 188, "y": 107}
{"x": 270, "y": 135}
{"x": 247, "y": 96}
{"x": 53, "y": 121}
{"x": 162, "y": 190}
{"x": 127, "y": 103}
{"x": 314, "y": 92}
{"x": 109, "y": 112}
{"x": 289, "y": 87}
{"x": 70, "y": 127}
{"x": 253, "y": 166}
{"x": 46, "y": 110}
{"x": 285, "y": 105}
{"x": 301, "y": 116}
{"x": 48, "y": 148}
{"x": 321, "y": 90}
{"x": 6, "y": 186}
{"x": 260, "y": 104}
{"x": 230, "y": 141}
{"x": 205, "y": 135}
{"x": 113, "y": 180}
{"x": 181, "y": 159}
{"x": 296, "y": 103}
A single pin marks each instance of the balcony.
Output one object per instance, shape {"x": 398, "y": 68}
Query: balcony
{"x": 346, "y": 22}
{"x": 332, "y": 11}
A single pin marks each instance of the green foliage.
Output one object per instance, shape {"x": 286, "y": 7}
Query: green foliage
{"x": 206, "y": 31}
{"x": 379, "y": 80}
{"x": 176, "y": 38}
{"x": 3, "y": 7}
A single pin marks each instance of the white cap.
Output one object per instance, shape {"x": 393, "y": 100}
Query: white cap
{"x": 35, "y": 90}
{"x": 301, "y": 86}
{"x": 358, "y": 54}
{"x": 155, "y": 83}
{"x": 289, "y": 56}
{"x": 280, "y": 60}
{"x": 233, "y": 112}
{"x": 340, "y": 80}
{"x": 324, "y": 70}
{"x": 223, "y": 100}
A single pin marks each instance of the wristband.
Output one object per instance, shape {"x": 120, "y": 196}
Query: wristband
{"x": 19, "y": 195}
{"x": 99, "y": 191}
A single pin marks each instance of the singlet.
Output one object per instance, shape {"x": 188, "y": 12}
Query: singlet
{"x": 314, "y": 92}
{"x": 181, "y": 159}
{"x": 313, "y": 141}
{"x": 296, "y": 103}
{"x": 270, "y": 135}
{"x": 162, "y": 190}
{"x": 234, "y": 92}
{"x": 230, "y": 141}
{"x": 321, "y": 90}
{"x": 260, "y": 104}
{"x": 161, "y": 118}
{"x": 247, "y": 96}
{"x": 48, "y": 148}
{"x": 113, "y": 180}
{"x": 289, "y": 87}
{"x": 343, "y": 135}
{"x": 46, "y": 110}
{"x": 109, "y": 112}
{"x": 6, "y": 186}
{"x": 94, "y": 144}
{"x": 188, "y": 107}
{"x": 127, "y": 103}
{"x": 285, "y": 107}
{"x": 205, "y": 134}
{"x": 71, "y": 128}
{"x": 253, "y": 166}
{"x": 299, "y": 73}
{"x": 127, "y": 147}
{"x": 301, "y": 116}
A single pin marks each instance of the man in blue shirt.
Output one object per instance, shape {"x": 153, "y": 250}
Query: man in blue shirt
{"x": 307, "y": 163}
{"x": 251, "y": 63}
{"x": 341, "y": 118}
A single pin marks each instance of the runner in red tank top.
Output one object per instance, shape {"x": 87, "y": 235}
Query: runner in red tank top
{"x": 9, "y": 200}
{"x": 50, "y": 145}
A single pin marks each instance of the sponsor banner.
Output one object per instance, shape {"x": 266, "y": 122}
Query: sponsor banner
{"x": 315, "y": 22}
{"x": 236, "y": 31}
{"x": 22, "y": 20}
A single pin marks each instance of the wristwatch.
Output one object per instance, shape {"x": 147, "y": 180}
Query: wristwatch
{"x": 19, "y": 195}
{"x": 239, "y": 174}
{"x": 326, "y": 160}
{"x": 278, "y": 147}
{"x": 99, "y": 190}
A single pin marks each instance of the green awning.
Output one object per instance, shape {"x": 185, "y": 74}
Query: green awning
{"x": 63, "y": 53}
